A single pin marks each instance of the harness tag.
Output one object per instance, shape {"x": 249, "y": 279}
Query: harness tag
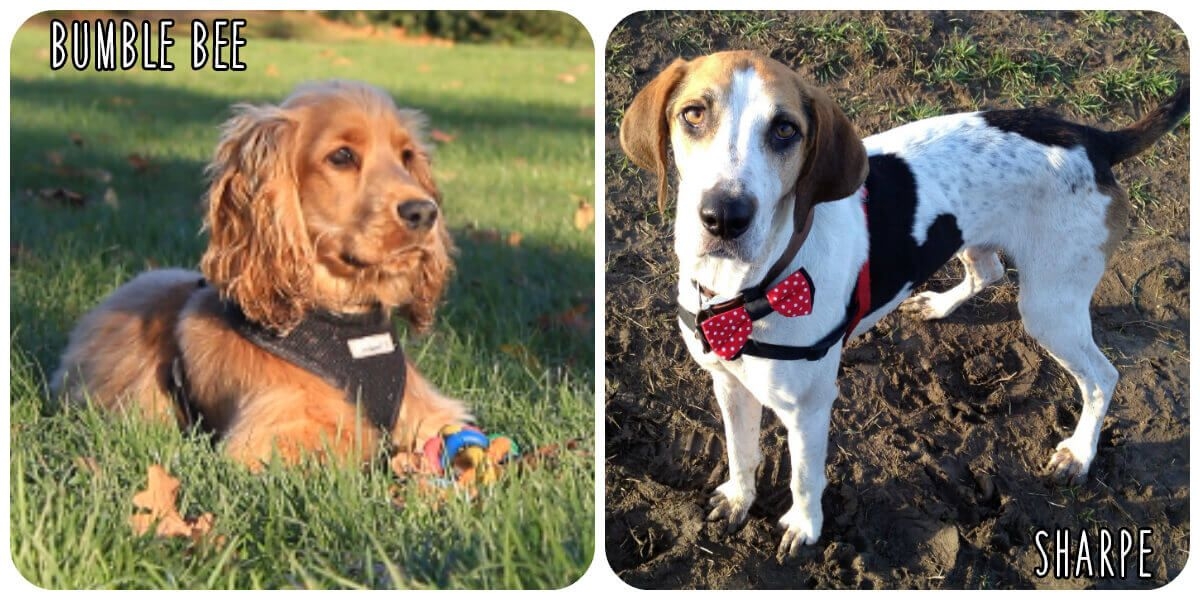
{"x": 371, "y": 345}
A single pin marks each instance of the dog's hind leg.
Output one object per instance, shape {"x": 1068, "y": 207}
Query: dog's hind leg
{"x": 981, "y": 268}
{"x": 742, "y": 415}
{"x": 1054, "y": 302}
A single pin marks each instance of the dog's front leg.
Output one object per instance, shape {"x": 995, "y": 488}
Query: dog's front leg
{"x": 807, "y": 422}
{"x": 742, "y": 415}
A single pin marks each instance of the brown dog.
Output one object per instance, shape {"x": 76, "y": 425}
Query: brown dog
{"x": 322, "y": 212}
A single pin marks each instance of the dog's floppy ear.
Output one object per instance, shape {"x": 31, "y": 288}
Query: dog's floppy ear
{"x": 259, "y": 254}
{"x": 645, "y": 129}
{"x": 835, "y": 161}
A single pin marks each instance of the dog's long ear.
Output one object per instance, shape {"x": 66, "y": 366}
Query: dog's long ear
{"x": 259, "y": 254}
{"x": 835, "y": 161}
{"x": 645, "y": 129}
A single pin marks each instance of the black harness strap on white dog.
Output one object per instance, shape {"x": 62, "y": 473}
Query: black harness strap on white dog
{"x": 813, "y": 352}
{"x": 753, "y": 301}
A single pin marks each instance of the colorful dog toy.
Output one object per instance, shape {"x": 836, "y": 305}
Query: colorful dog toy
{"x": 465, "y": 455}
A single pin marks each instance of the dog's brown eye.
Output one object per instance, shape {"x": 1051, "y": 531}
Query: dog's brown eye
{"x": 694, "y": 115}
{"x": 343, "y": 157}
{"x": 407, "y": 155}
{"x": 785, "y": 131}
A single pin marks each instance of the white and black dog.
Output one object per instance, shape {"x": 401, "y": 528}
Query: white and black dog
{"x": 793, "y": 236}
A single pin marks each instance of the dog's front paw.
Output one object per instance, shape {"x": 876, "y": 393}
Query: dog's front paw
{"x": 800, "y": 528}
{"x": 1070, "y": 462}
{"x": 729, "y": 505}
{"x": 925, "y": 306}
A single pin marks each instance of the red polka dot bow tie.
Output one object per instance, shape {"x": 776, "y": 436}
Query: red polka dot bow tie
{"x": 726, "y": 327}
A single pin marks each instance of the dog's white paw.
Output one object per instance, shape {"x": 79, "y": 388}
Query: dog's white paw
{"x": 800, "y": 528}
{"x": 1070, "y": 462}
{"x": 927, "y": 306}
{"x": 729, "y": 504}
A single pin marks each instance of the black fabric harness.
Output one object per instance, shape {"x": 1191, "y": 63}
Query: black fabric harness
{"x": 358, "y": 354}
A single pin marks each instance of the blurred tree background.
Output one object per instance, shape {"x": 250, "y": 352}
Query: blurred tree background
{"x": 476, "y": 26}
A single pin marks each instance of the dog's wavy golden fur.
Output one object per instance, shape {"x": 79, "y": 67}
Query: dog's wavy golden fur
{"x": 310, "y": 207}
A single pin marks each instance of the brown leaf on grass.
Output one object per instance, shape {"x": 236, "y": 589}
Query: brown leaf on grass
{"x": 328, "y": 53}
{"x": 585, "y": 215}
{"x": 272, "y": 70}
{"x": 160, "y": 494}
{"x": 441, "y": 137}
{"x": 567, "y": 78}
{"x": 60, "y": 196}
{"x": 514, "y": 238}
{"x": 424, "y": 68}
{"x": 342, "y": 61}
{"x": 160, "y": 498}
{"x": 76, "y": 138}
{"x": 577, "y": 317}
{"x": 550, "y": 452}
{"x": 140, "y": 163}
{"x": 55, "y": 158}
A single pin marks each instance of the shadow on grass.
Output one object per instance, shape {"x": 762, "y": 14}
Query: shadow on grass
{"x": 157, "y": 216}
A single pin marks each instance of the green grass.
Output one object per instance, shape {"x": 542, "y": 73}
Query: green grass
{"x": 520, "y": 160}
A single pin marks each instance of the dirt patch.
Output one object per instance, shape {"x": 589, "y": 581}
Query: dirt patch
{"x": 941, "y": 433}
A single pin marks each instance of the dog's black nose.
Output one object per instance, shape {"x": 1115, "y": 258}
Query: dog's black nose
{"x": 725, "y": 214}
{"x": 418, "y": 214}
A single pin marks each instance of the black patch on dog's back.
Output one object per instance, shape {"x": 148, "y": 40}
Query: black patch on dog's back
{"x": 896, "y": 258}
{"x": 1048, "y": 129}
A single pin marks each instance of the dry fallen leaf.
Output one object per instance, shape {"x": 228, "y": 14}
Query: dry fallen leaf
{"x": 514, "y": 238}
{"x": 342, "y": 61}
{"x": 140, "y": 163}
{"x": 577, "y": 317}
{"x": 61, "y": 196}
{"x": 272, "y": 70}
{"x": 584, "y": 215}
{"x": 76, "y": 138}
{"x": 566, "y": 78}
{"x": 440, "y": 136}
{"x": 160, "y": 497}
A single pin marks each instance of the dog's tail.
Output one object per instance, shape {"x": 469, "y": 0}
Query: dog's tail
{"x": 1124, "y": 144}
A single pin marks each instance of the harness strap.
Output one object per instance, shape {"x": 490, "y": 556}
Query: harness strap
{"x": 814, "y": 352}
{"x": 756, "y": 305}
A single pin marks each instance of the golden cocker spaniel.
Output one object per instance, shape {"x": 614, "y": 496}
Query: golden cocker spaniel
{"x": 322, "y": 212}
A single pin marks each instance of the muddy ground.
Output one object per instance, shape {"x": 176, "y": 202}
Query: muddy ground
{"x": 940, "y": 436}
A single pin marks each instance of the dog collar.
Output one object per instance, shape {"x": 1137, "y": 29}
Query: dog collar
{"x": 724, "y": 326}
{"x": 354, "y": 353}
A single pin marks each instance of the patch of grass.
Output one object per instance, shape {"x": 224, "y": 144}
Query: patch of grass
{"x": 957, "y": 61}
{"x": 1131, "y": 84}
{"x": 131, "y": 148}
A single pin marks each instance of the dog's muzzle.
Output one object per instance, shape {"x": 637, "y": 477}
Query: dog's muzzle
{"x": 726, "y": 214}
